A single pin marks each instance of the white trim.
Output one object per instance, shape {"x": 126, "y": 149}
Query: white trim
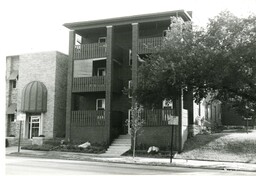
{"x": 129, "y": 88}
{"x": 103, "y": 103}
{"x": 129, "y": 121}
{"x": 100, "y": 58}
{"x": 135, "y": 23}
{"x": 101, "y": 68}
{"x": 130, "y": 57}
{"x": 41, "y": 124}
{"x": 31, "y": 118}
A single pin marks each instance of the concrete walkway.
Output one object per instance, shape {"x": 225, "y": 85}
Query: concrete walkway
{"x": 13, "y": 151}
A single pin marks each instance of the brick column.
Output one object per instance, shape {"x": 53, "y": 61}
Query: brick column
{"x": 109, "y": 81}
{"x": 135, "y": 37}
{"x": 69, "y": 84}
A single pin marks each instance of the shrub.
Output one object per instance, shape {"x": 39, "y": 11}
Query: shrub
{"x": 11, "y": 135}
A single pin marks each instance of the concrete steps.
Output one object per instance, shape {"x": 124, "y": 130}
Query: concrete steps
{"x": 119, "y": 146}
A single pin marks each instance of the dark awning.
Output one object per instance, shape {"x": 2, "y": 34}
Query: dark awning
{"x": 34, "y": 98}
{"x": 13, "y": 75}
{"x": 11, "y": 109}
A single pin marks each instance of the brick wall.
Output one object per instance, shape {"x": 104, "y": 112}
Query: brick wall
{"x": 60, "y": 95}
{"x": 12, "y": 64}
{"x": 39, "y": 67}
{"x": 92, "y": 134}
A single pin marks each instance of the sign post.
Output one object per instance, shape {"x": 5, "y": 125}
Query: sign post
{"x": 247, "y": 119}
{"x": 172, "y": 120}
{"x": 20, "y": 117}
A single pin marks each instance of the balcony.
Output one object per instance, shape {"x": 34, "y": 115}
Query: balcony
{"x": 156, "y": 117}
{"x": 88, "y": 118}
{"x": 88, "y": 51}
{"x": 89, "y": 84}
{"x": 94, "y": 84}
{"x": 148, "y": 45}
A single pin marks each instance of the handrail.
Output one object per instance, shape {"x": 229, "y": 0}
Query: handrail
{"x": 149, "y": 45}
{"x": 91, "y": 50}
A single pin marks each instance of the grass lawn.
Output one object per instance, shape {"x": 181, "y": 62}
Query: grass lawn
{"x": 234, "y": 145}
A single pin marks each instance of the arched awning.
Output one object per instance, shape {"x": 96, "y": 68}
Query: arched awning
{"x": 34, "y": 98}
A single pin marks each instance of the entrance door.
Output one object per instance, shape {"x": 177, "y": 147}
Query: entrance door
{"x": 34, "y": 126}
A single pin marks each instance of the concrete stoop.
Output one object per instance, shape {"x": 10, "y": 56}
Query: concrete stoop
{"x": 119, "y": 146}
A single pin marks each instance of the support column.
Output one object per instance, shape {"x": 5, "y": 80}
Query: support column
{"x": 135, "y": 37}
{"x": 109, "y": 81}
{"x": 69, "y": 84}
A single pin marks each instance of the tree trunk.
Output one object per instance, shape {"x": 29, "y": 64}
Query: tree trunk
{"x": 134, "y": 143}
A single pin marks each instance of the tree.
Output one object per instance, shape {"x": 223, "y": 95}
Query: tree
{"x": 220, "y": 60}
{"x": 136, "y": 123}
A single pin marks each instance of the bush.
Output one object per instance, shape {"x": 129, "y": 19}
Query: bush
{"x": 11, "y": 135}
{"x": 44, "y": 147}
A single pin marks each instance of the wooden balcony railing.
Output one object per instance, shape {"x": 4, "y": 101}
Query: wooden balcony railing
{"x": 88, "y": 51}
{"x": 89, "y": 84}
{"x": 88, "y": 118}
{"x": 148, "y": 45}
{"x": 156, "y": 117}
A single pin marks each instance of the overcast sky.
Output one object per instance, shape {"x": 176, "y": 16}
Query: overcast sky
{"x": 37, "y": 25}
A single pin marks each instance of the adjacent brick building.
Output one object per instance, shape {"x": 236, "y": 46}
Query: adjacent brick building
{"x": 36, "y": 88}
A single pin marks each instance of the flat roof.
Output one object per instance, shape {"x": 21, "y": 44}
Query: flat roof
{"x": 128, "y": 20}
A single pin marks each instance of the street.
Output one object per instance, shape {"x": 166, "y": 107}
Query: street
{"x": 36, "y": 166}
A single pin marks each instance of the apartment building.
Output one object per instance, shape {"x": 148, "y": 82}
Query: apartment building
{"x": 36, "y": 88}
{"x": 104, "y": 56}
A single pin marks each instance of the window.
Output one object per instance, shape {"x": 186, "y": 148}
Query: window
{"x": 102, "y": 40}
{"x": 83, "y": 68}
{"x": 130, "y": 57}
{"x": 100, "y": 104}
{"x": 167, "y": 104}
{"x": 165, "y": 33}
{"x": 101, "y": 72}
{"x": 13, "y": 84}
{"x": 11, "y": 117}
{"x": 130, "y": 88}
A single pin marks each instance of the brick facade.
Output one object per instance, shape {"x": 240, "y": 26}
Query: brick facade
{"x": 50, "y": 69}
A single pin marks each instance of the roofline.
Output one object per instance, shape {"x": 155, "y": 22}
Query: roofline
{"x": 126, "y": 20}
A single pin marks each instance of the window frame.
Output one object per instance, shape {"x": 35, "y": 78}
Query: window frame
{"x": 103, "y": 104}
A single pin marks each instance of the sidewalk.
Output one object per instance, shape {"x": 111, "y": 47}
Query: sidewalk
{"x": 12, "y": 151}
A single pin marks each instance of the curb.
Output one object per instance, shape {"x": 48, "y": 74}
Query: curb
{"x": 108, "y": 160}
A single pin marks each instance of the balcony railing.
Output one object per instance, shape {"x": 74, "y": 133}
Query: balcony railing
{"x": 89, "y": 84}
{"x": 88, "y": 51}
{"x": 148, "y": 45}
{"x": 88, "y": 118}
{"x": 156, "y": 117}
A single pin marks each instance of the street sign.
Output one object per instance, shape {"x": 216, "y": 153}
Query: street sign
{"x": 248, "y": 118}
{"x": 173, "y": 120}
{"x": 21, "y": 117}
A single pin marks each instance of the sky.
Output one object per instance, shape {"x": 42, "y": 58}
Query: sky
{"x": 37, "y": 25}
{"x": 29, "y": 26}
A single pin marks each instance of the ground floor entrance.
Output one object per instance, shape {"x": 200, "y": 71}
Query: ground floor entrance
{"x": 33, "y": 125}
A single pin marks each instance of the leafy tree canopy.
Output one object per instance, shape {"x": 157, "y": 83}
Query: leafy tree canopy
{"x": 220, "y": 60}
